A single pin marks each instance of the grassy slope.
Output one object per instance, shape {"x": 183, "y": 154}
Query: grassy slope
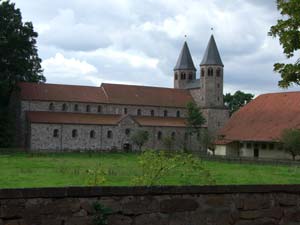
{"x": 24, "y": 170}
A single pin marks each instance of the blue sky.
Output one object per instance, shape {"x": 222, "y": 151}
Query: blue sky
{"x": 138, "y": 42}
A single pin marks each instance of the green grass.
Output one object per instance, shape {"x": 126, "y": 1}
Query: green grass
{"x": 54, "y": 170}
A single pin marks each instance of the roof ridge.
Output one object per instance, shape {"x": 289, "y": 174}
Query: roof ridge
{"x": 143, "y": 86}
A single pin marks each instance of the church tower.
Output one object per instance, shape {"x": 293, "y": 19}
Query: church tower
{"x": 211, "y": 77}
{"x": 184, "y": 71}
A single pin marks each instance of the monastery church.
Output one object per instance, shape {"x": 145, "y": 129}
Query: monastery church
{"x": 54, "y": 117}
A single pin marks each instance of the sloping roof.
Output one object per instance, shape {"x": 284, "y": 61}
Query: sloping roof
{"x": 58, "y": 92}
{"x": 192, "y": 84}
{"x": 211, "y": 55}
{"x": 264, "y": 118}
{"x": 72, "y": 118}
{"x": 107, "y": 93}
{"x": 160, "y": 121}
{"x": 143, "y": 95}
{"x": 185, "y": 60}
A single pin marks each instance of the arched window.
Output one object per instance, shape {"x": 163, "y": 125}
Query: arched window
{"x": 64, "y": 107}
{"x": 190, "y": 76}
{"x": 152, "y": 112}
{"x": 127, "y": 132}
{"x": 55, "y": 133}
{"x": 165, "y": 113}
{"x": 202, "y": 73}
{"x": 210, "y": 71}
{"x": 178, "y": 113}
{"x": 176, "y": 76}
{"x": 74, "y": 133}
{"x": 218, "y": 72}
{"x": 99, "y": 109}
{"x": 51, "y": 106}
{"x": 92, "y": 134}
{"x": 125, "y": 111}
{"x": 218, "y": 85}
{"x": 75, "y": 107}
{"x": 173, "y": 135}
{"x": 186, "y": 135}
{"x": 139, "y": 112}
{"x": 159, "y": 135}
{"x": 182, "y": 76}
{"x": 88, "y": 108}
{"x": 109, "y": 134}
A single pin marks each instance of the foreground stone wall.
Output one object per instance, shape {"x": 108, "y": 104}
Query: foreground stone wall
{"x": 210, "y": 205}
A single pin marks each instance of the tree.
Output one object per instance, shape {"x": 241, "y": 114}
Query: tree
{"x": 206, "y": 140}
{"x": 19, "y": 59}
{"x": 288, "y": 31}
{"x": 291, "y": 141}
{"x": 168, "y": 142}
{"x": 237, "y": 100}
{"x": 194, "y": 118}
{"x": 139, "y": 138}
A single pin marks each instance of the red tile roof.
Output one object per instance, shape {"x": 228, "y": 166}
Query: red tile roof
{"x": 264, "y": 118}
{"x": 107, "y": 93}
{"x": 96, "y": 119}
{"x": 72, "y": 118}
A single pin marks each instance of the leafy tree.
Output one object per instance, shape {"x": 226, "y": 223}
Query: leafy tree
{"x": 288, "y": 31}
{"x": 168, "y": 142}
{"x": 237, "y": 100}
{"x": 139, "y": 138}
{"x": 19, "y": 59}
{"x": 194, "y": 118}
{"x": 206, "y": 140}
{"x": 291, "y": 141}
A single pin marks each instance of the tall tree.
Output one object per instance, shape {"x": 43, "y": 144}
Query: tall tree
{"x": 194, "y": 118}
{"x": 237, "y": 100}
{"x": 19, "y": 59}
{"x": 288, "y": 31}
{"x": 291, "y": 141}
{"x": 139, "y": 138}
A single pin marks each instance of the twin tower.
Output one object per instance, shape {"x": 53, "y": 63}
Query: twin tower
{"x": 208, "y": 90}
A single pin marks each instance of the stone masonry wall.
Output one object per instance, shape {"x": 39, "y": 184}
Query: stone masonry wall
{"x": 196, "y": 205}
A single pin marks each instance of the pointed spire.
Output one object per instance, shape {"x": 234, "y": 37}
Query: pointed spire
{"x": 185, "y": 61}
{"x": 211, "y": 55}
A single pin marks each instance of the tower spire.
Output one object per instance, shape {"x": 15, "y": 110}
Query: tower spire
{"x": 185, "y": 61}
{"x": 211, "y": 55}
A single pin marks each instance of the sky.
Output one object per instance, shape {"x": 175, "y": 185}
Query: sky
{"x": 138, "y": 42}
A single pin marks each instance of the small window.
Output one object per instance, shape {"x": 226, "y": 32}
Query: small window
{"x": 182, "y": 76}
{"x": 190, "y": 76}
{"x": 218, "y": 72}
{"x": 218, "y": 99}
{"x": 249, "y": 145}
{"x": 74, "y": 133}
{"x": 139, "y": 112}
{"x": 202, "y": 73}
{"x": 218, "y": 85}
{"x": 127, "y": 132}
{"x": 255, "y": 145}
{"x": 263, "y": 146}
{"x": 99, "y": 109}
{"x": 271, "y": 146}
{"x": 219, "y": 124}
{"x": 241, "y": 145}
{"x": 109, "y": 134}
{"x": 173, "y": 135}
{"x": 92, "y": 134}
{"x": 51, "y": 106}
{"x": 176, "y": 76}
{"x": 64, "y": 107}
{"x": 159, "y": 135}
{"x": 210, "y": 71}
{"x": 178, "y": 114}
{"x": 88, "y": 108}
{"x": 75, "y": 107}
{"x": 55, "y": 133}
{"x": 125, "y": 111}
{"x": 165, "y": 113}
{"x": 152, "y": 112}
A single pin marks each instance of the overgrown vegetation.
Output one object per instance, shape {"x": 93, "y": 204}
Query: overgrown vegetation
{"x": 139, "y": 138}
{"x": 291, "y": 141}
{"x": 101, "y": 214}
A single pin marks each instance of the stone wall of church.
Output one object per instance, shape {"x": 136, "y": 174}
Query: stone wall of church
{"x": 42, "y": 137}
{"x": 216, "y": 119}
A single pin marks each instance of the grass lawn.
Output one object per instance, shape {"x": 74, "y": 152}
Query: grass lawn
{"x": 19, "y": 170}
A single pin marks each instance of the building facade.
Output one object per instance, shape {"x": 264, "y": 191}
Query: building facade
{"x": 54, "y": 117}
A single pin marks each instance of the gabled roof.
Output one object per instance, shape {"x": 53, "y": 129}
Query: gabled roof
{"x": 211, "y": 55}
{"x": 107, "y": 93}
{"x": 185, "y": 60}
{"x": 264, "y": 118}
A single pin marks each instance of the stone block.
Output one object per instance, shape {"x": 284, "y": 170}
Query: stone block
{"x": 178, "y": 205}
{"x": 286, "y": 199}
{"x": 139, "y": 205}
{"x": 119, "y": 220}
{"x": 151, "y": 219}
